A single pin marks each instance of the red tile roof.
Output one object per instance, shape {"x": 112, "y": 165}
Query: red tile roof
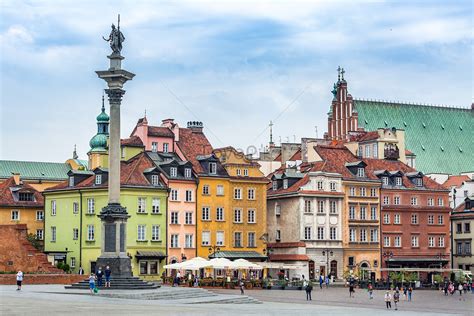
{"x": 294, "y": 188}
{"x": 455, "y": 181}
{"x": 364, "y": 136}
{"x": 133, "y": 141}
{"x": 278, "y": 158}
{"x": 288, "y": 257}
{"x": 160, "y": 131}
{"x": 193, "y": 144}
{"x": 286, "y": 244}
{"x": 7, "y": 198}
{"x": 296, "y": 156}
{"x": 407, "y": 152}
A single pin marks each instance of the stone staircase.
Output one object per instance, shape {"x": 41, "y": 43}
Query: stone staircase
{"x": 117, "y": 283}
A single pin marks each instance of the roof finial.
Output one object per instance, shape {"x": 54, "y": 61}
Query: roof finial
{"x": 338, "y": 73}
{"x": 103, "y": 106}
{"x": 342, "y": 73}
{"x": 74, "y": 153}
{"x": 271, "y": 133}
{"x": 145, "y": 114}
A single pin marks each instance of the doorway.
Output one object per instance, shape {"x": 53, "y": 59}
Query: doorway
{"x": 322, "y": 270}
{"x": 334, "y": 269}
{"x": 93, "y": 264}
{"x": 311, "y": 269}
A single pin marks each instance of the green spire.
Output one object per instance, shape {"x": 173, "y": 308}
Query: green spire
{"x": 99, "y": 141}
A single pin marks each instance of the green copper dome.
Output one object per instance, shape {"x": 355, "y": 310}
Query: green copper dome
{"x": 98, "y": 142}
{"x": 103, "y": 117}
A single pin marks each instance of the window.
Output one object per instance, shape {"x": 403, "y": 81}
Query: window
{"x": 155, "y": 233}
{"x": 373, "y": 213}
{"x": 239, "y": 172}
{"x": 165, "y": 147}
{"x": 385, "y": 180}
{"x": 238, "y": 194}
{"x": 98, "y": 179}
{"x": 246, "y": 172}
{"x": 386, "y": 218}
{"x": 414, "y": 200}
{"x": 90, "y": 206}
{"x": 220, "y": 190}
{"x": 212, "y": 168}
{"x": 414, "y": 241}
{"x": 278, "y": 235}
{"x": 75, "y": 233}
{"x": 363, "y": 235}
{"x": 320, "y": 233}
{"x": 459, "y": 248}
{"x": 251, "y": 194}
{"x": 352, "y": 235}
{"x": 189, "y": 195}
{"x": 431, "y": 241}
{"x": 188, "y": 218}
{"x": 360, "y": 152}
{"x": 237, "y": 239}
{"x": 367, "y": 151}
{"x": 285, "y": 184}
{"x": 459, "y": 228}
{"x": 374, "y": 151}
{"x": 220, "y": 238}
{"x": 360, "y": 172}
{"x": 15, "y": 215}
{"x": 53, "y": 233}
{"x": 352, "y": 191}
{"x": 398, "y": 241}
{"x": 374, "y": 235}
{"x": 332, "y": 186}
{"x": 419, "y": 182}
{"x": 362, "y": 191}
{"x": 307, "y": 233}
{"x": 430, "y": 219}
{"x": 40, "y": 215}
{"x": 332, "y": 233}
{"x": 320, "y": 206}
{"x": 90, "y": 232}
{"x": 467, "y": 227}
{"x": 141, "y": 232}
{"x": 352, "y": 212}
{"x": 320, "y": 185}
{"x": 307, "y": 206}
{"x": 53, "y": 208}
{"x": 333, "y": 207}
{"x": 71, "y": 181}
{"x": 220, "y": 214}
{"x": 440, "y": 202}
{"x": 398, "y": 181}
{"x": 75, "y": 207}
{"x": 39, "y": 234}
{"x": 467, "y": 248}
{"x": 251, "y": 216}
{"x": 205, "y": 190}
{"x": 430, "y": 202}
{"x": 373, "y": 192}
{"x": 414, "y": 219}
{"x": 141, "y": 205}
{"x": 363, "y": 213}
{"x": 277, "y": 210}
{"x": 188, "y": 241}
{"x": 73, "y": 262}
{"x": 173, "y": 171}
{"x": 386, "y": 200}
{"x": 237, "y": 215}
{"x": 155, "y": 206}
{"x": 187, "y": 173}
{"x": 396, "y": 200}
{"x": 351, "y": 261}
{"x": 441, "y": 241}
{"x": 174, "y": 218}
{"x": 205, "y": 214}
{"x": 206, "y": 236}
{"x": 396, "y": 219}
{"x": 386, "y": 241}
{"x": 174, "y": 241}
{"x": 275, "y": 185}
{"x": 440, "y": 219}
{"x": 251, "y": 240}
{"x": 122, "y": 152}
{"x": 174, "y": 195}
{"x": 154, "y": 147}
{"x": 155, "y": 180}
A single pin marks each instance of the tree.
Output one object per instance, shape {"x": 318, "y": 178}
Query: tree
{"x": 34, "y": 241}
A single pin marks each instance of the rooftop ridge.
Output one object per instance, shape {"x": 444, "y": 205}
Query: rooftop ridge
{"x": 443, "y": 106}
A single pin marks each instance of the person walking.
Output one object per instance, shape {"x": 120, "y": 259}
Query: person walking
{"x": 321, "y": 281}
{"x": 107, "y": 274}
{"x": 388, "y": 300}
{"x": 92, "y": 283}
{"x": 396, "y": 299}
{"x": 370, "y": 289}
{"x": 308, "y": 289}
{"x": 327, "y": 281}
{"x": 460, "y": 289}
{"x": 19, "y": 280}
{"x": 410, "y": 293}
{"x": 445, "y": 289}
{"x": 351, "y": 287}
{"x": 405, "y": 292}
{"x": 81, "y": 271}
{"x": 178, "y": 278}
{"x": 241, "y": 287}
{"x": 99, "y": 275}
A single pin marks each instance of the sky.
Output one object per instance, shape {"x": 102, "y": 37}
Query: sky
{"x": 234, "y": 65}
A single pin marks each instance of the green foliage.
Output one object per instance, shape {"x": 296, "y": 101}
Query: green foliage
{"x": 438, "y": 278}
{"x": 34, "y": 241}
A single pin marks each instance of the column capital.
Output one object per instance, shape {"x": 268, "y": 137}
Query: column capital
{"x": 115, "y": 95}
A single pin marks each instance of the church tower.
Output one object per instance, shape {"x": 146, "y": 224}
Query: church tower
{"x": 98, "y": 154}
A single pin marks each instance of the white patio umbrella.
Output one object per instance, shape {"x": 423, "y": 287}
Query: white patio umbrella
{"x": 172, "y": 266}
{"x": 221, "y": 263}
{"x": 245, "y": 264}
{"x": 195, "y": 263}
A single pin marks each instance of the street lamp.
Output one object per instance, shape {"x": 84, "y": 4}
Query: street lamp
{"x": 213, "y": 249}
{"x": 327, "y": 253}
{"x": 267, "y": 251}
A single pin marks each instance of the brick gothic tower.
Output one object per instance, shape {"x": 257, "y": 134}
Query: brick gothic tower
{"x": 342, "y": 117}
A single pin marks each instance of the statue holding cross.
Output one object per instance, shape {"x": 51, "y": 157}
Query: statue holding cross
{"x": 115, "y": 39}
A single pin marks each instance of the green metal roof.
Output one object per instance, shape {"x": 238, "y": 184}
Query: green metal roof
{"x": 34, "y": 170}
{"x": 441, "y": 137}
{"x": 238, "y": 255}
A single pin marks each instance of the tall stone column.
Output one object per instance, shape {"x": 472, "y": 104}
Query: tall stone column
{"x": 114, "y": 216}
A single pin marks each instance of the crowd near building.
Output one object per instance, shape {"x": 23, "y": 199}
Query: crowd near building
{"x": 389, "y": 186}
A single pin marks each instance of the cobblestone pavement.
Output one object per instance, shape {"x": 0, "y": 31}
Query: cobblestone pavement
{"x": 54, "y": 300}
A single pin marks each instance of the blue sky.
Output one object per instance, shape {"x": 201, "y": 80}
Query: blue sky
{"x": 233, "y": 65}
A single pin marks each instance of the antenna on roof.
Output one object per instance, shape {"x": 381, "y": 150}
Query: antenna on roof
{"x": 316, "y": 130}
{"x": 145, "y": 114}
{"x": 74, "y": 153}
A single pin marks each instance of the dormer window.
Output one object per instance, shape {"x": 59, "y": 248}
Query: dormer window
{"x": 246, "y": 172}
{"x": 173, "y": 171}
{"x": 285, "y": 184}
{"x": 419, "y": 182}
{"x": 165, "y": 147}
{"x": 187, "y": 172}
{"x": 154, "y": 147}
{"x": 360, "y": 172}
{"x": 274, "y": 185}
{"x": 239, "y": 172}
{"x": 71, "y": 181}
{"x": 212, "y": 168}
{"x": 98, "y": 179}
{"x": 385, "y": 180}
{"x": 26, "y": 197}
{"x": 320, "y": 185}
{"x": 155, "y": 180}
{"x": 398, "y": 181}
{"x": 332, "y": 185}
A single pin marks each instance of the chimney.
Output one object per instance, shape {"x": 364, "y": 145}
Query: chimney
{"x": 195, "y": 126}
{"x": 16, "y": 178}
{"x": 167, "y": 123}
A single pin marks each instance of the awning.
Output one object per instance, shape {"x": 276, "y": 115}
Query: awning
{"x": 58, "y": 255}
{"x": 415, "y": 260}
{"x": 288, "y": 257}
{"x": 143, "y": 255}
{"x": 280, "y": 265}
{"x": 231, "y": 255}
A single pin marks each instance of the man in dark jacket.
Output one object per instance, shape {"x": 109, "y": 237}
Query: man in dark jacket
{"x": 99, "y": 276}
{"x": 107, "y": 273}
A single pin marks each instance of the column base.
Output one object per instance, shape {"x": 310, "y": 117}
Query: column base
{"x": 120, "y": 267}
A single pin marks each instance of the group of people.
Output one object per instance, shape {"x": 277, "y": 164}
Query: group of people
{"x": 96, "y": 280}
{"x": 451, "y": 288}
